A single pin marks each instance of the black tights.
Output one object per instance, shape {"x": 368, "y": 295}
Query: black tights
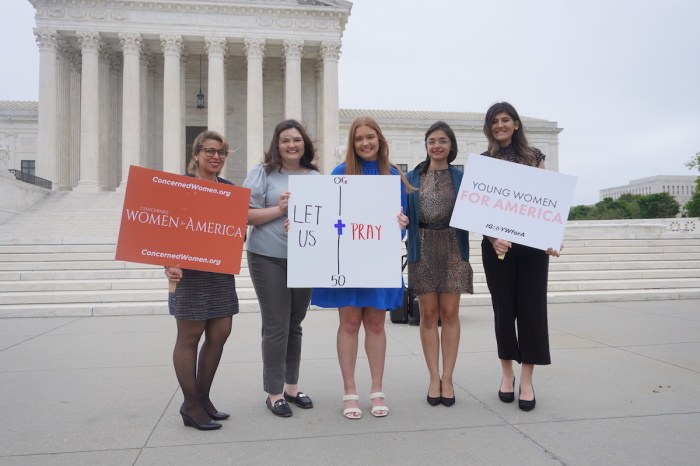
{"x": 195, "y": 375}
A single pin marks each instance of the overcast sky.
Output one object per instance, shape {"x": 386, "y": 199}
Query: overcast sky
{"x": 622, "y": 77}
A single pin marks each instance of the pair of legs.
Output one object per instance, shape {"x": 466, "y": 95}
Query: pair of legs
{"x": 283, "y": 310}
{"x": 518, "y": 286}
{"x": 526, "y": 391}
{"x": 351, "y": 319}
{"x": 443, "y": 306}
{"x": 194, "y": 372}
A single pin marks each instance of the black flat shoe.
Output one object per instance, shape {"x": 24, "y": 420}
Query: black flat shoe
{"x": 301, "y": 400}
{"x": 280, "y": 408}
{"x": 526, "y": 405}
{"x": 219, "y": 416}
{"x": 189, "y": 422}
{"x": 507, "y": 397}
{"x": 448, "y": 401}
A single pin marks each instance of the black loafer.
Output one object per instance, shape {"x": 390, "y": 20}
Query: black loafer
{"x": 300, "y": 400}
{"x": 280, "y": 408}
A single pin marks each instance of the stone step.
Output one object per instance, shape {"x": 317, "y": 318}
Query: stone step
{"x": 97, "y": 296}
{"x": 157, "y": 283}
{"x": 77, "y": 265}
{"x": 101, "y": 309}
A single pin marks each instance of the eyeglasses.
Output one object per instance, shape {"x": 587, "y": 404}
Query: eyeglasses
{"x": 441, "y": 141}
{"x": 210, "y": 153}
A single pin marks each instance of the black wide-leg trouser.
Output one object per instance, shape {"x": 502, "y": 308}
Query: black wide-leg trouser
{"x": 518, "y": 286}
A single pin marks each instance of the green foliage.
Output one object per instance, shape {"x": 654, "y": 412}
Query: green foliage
{"x": 659, "y": 205}
{"x": 692, "y": 164}
{"x": 579, "y": 212}
{"x": 607, "y": 209}
{"x": 693, "y": 205}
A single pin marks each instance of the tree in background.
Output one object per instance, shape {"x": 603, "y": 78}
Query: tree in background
{"x": 579, "y": 212}
{"x": 694, "y": 164}
{"x": 607, "y": 209}
{"x": 693, "y": 205}
{"x": 659, "y": 205}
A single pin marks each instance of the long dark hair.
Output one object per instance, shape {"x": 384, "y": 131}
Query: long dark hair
{"x": 273, "y": 160}
{"x": 523, "y": 151}
{"x": 440, "y": 125}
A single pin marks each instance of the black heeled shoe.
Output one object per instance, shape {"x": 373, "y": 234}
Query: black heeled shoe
{"x": 527, "y": 405}
{"x": 434, "y": 400}
{"x": 507, "y": 397}
{"x": 219, "y": 416}
{"x": 448, "y": 401}
{"x": 189, "y": 422}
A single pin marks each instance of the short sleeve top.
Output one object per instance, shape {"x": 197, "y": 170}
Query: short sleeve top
{"x": 268, "y": 239}
{"x": 508, "y": 153}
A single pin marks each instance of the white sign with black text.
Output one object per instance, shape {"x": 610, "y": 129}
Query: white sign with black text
{"x": 343, "y": 232}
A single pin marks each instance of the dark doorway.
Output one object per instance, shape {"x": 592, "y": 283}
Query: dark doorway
{"x": 190, "y": 135}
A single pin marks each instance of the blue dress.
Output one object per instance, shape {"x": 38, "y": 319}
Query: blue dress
{"x": 378, "y": 298}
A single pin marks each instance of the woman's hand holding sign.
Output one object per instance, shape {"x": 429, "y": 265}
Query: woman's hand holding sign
{"x": 501, "y": 246}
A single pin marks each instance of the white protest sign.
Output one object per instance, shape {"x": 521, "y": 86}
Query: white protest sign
{"x": 515, "y": 202}
{"x": 343, "y": 232}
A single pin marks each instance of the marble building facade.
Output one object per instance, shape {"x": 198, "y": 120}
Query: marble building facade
{"x": 119, "y": 81}
{"x": 680, "y": 187}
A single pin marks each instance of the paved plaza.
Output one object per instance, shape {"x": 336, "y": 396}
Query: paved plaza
{"x": 623, "y": 389}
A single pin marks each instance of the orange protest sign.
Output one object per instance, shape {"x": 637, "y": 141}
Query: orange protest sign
{"x": 181, "y": 221}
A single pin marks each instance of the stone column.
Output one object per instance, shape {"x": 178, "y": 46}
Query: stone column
{"x": 255, "y": 52}
{"x": 216, "y": 116}
{"x": 184, "y": 59}
{"x": 293, "y": 50}
{"x": 47, "y": 146}
{"x": 104, "y": 117}
{"x": 89, "y": 111}
{"x": 319, "y": 105}
{"x": 63, "y": 111}
{"x": 131, "y": 108}
{"x": 74, "y": 156}
{"x": 330, "y": 51}
{"x": 172, "y": 140}
{"x": 113, "y": 154}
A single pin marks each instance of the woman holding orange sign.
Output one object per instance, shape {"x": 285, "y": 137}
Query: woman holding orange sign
{"x": 202, "y": 303}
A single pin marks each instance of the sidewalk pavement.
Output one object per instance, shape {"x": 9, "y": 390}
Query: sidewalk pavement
{"x": 623, "y": 388}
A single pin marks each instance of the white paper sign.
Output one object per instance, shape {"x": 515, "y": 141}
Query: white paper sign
{"x": 343, "y": 232}
{"x": 511, "y": 201}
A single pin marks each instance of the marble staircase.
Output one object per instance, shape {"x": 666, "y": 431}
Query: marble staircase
{"x": 57, "y": 258}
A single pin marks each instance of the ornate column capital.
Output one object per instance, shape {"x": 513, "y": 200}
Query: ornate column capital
{"x": 293, "y": 49}
{"x": 330, "y": 50}
{"x": 90, "y": 41}
{"x": 215, "y": 46}
{"x": 131, "y": 42}
{"x": 115, "y": 62}
{"x": 254, "y": 47}
{"x": 184, "y": 57}
{"x": 47, "y": 39}
{"x": 172, "y": 44}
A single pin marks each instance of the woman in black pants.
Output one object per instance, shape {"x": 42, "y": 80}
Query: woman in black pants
{"x": 517, "y": 281}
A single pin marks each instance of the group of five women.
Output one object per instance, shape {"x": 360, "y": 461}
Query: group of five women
{"x": 438, "y": 268}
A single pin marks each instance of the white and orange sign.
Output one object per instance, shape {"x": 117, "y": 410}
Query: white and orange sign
{"x": 521, "y": 204}
{"x": 181, "y": 221}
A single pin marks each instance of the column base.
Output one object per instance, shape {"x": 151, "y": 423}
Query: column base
{"x": 88, "y": 186}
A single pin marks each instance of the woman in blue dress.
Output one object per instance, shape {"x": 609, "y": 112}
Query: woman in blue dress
{"x": 367, "y": 154}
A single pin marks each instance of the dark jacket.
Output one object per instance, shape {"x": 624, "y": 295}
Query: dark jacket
{"x": 413, "y": 244}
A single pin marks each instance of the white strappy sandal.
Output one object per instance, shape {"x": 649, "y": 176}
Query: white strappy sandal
{"x": 378, "y": 411}
{"x": 352, "y": 413}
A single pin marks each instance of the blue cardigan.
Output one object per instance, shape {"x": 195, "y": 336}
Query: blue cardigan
{"x": 413, "y": 244}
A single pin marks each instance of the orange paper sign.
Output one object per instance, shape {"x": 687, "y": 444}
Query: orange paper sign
{"x": 181, "y": 221}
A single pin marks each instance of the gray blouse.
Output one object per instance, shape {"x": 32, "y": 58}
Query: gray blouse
{"x": 268, "y": 239}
